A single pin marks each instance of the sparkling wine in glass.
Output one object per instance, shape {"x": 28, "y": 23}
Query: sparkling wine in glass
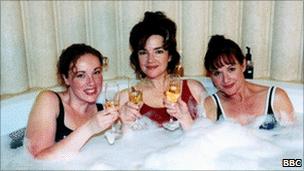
{"x": 112, "y": 101}
{"x": 173, "y": 91}
{"x": 111, "y": 96}
{"x": 135, "y": 96}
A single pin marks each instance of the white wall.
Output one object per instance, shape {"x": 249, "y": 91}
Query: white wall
{"x": 33, "y": 33}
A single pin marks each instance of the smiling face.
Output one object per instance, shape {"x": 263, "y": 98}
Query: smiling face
{"x": 153, "y": 59}
{"x": 229, "y": 77}
{"x": 85, "y": 78}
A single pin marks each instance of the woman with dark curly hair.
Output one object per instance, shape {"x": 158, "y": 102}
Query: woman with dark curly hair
{"x": 154, "y": 58}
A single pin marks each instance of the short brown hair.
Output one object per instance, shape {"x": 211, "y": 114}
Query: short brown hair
{"x": 222, "y": 50}
{"x": 70, "y": 55}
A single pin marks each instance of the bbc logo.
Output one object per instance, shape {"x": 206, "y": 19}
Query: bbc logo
{"x": 291, "y": 162}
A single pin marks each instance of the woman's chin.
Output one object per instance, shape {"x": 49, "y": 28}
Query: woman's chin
{"x": 152, "y": 75}
{"x": 228, "y": 93}
{"x": 91, "y": 99}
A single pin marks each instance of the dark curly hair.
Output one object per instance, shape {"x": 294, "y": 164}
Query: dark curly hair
{"x": 154, "y": 23}
{"x": 222, "y": 51}
{"x": 69, "y": 57}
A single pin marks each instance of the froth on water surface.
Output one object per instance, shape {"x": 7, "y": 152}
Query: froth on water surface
{"x": 227, "y": 145}
{"x": 223, "y": 145}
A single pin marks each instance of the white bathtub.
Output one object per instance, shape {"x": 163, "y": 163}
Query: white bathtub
{"x": 15, "y": 110}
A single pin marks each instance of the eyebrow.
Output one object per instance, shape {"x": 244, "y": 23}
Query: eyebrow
{"x": 80, "y": 71}
{"x": 100, "y": 67}
{"x": 160, "y": 47}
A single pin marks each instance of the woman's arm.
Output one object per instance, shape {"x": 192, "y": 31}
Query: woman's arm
{"x": 180, "y": 109}
{"x": 283, "y": 108}
{"x": 210, "y": 108}
{"x": 41, "y": 129}
{"x": 197, "y": 90}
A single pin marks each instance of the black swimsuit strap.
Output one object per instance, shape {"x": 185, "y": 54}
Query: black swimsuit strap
{"x": 269, "y": 110}
{"x": 218, "y": 111}
{"x": 61, "y": 129}
{"x": 99, "y": 107}
{"x": 61, "y": 109}
{"x": 271, "y": 121}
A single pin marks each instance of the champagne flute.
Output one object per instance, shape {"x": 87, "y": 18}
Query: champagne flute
{"x": 173, "y": 91}
{"x": 111, "y": 96}
{"x": 174, "y": 88}
{"x": 112, "y": 101}
{"x": 136, "y": 97}
{"x": 135, "y": 94}
{"x": 172, "y": 94}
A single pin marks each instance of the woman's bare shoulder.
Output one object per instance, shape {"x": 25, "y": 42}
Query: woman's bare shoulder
{"x": 195, "y": 84}
{"x": 281, "y": 92}
{"x": 197, "y": 89}
{"x": 47, "y": 96}
{"x": 46, "y": 103}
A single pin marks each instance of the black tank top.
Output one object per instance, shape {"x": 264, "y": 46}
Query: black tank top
{"x": 61, "y": 130}
{"x": 269, "y": 123}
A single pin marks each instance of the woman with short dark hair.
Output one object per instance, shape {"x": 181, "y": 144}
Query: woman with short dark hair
{"x": 237, "y": 99}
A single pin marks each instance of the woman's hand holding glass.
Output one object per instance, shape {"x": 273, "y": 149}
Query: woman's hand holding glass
{"x": 176, "y": 108}
{"x": 136, "y": 97}
{"x": 103, "y": 120}
{"x": 180, "y": 111}
{"x": 131, "y": 115}
{"x": 129, "y": 112}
